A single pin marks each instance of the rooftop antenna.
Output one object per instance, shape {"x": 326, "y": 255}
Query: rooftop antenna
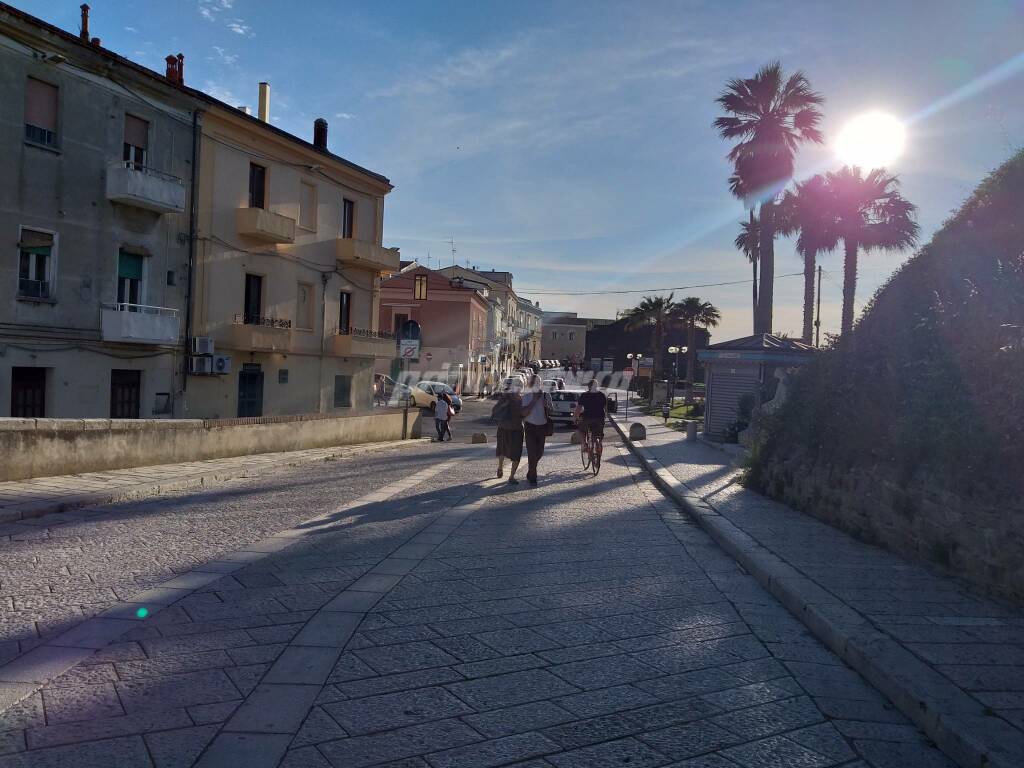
{"x": 428, "y": 258}
{"x": 451, "y": 242}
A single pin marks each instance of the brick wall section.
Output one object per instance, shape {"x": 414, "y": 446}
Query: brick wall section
{"x": 43, "y": 447}
{"x": 974, "y": 541}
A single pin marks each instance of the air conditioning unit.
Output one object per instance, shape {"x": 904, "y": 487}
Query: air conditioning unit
{"x": 202, "y": 345}
{"x": 200, "y": 366}
{"x": 221, "y": 364}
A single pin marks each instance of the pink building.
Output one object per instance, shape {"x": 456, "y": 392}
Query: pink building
{"x": 452, "y": 321}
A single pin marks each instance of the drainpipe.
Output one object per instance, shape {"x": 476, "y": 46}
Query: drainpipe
{"x": 192, "y": 224}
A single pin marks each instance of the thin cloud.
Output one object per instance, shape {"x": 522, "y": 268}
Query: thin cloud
{"x": 223, "y": 56}
{"x": 133, "y": 30}
{"x": 344, "y": 115}
{"x": 239, "y": 27}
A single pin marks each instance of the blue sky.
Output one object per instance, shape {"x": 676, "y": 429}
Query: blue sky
{"x": 571, "y": 141}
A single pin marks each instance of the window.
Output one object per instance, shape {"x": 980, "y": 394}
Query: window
{"x": 253, "y": 300}
{"x": 136, "y": 141}
{"x": 125, "y": 394}
{"x": 342, "y": 391}
{"x": 554, "y": 335}
{"x": 35, "y": 264}
{"x": 28, "y": 392}
{"x": 344, "y": 311}
{"x": 307, "y": 206}
{"x": 41, "y": 112}
{"x": 400, "y": 321}
{"x": 420, "y": 287}
{"x": 257, "y": 186}
{"x": 348, "y": 218}
{"x": 304, "y": 307}
{"x": 129, "y": 278}
{"x": 572, "y": 335}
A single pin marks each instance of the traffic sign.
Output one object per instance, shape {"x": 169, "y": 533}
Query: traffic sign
{"x": 429, "y": 356}
{"x": 409, "y": 349}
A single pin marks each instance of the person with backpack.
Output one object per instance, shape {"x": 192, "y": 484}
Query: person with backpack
{"x": 508, "y": 413}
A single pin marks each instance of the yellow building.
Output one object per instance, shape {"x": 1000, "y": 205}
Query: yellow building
{"x": 287, "y": 272}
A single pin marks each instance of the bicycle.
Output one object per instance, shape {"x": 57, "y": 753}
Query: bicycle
{"x": 591, "y": 448}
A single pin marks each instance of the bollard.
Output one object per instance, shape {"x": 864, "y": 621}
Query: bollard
{"x": 637, "y": 431}
{"x": 691, "y": 431}
{"x": 478, "y": 437}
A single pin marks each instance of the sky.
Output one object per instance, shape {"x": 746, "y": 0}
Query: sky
{"x": 571, "y": 141}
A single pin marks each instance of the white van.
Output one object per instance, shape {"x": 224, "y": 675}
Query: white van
{"x": 564, "y": 403}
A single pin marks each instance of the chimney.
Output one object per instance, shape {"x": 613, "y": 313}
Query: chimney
{"x": 95, "y": 41}
{"x": 320, "y": 134}
{"x": 172, "y": 68}
{"x": 84, "y": 31}
{"x": 244, "y": 108}
{"x": 181, "y": 69}
{"x": 264, "y": 113}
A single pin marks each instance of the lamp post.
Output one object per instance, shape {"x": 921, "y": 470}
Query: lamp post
{"x": 675, "y": 371}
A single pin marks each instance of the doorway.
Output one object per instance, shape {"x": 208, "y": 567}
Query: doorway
{"x": 250, "y": 390}
{"x": 125, "y": 394}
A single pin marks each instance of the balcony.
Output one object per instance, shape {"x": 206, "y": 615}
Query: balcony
{"x": 363, "y": 255}
{"x": 260, "y": 224}
{"x": 255, "y": 334}
{"x": 132, "y": 184}
{"x": 139, "y": 324}
{"x": 357, "y": 342}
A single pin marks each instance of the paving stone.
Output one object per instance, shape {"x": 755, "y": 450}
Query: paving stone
{"x": 350, "y": 667}
{"x": 405, "y": 657}
{"x": 773, "y": 717}
{"x": 274, "y": 709}
{"x": 12, "y": 741}
{"x": 606, "y": 671}
{"x": 465, "y": 648}
{"x": 777, "y": 751}
{"x": 690, "y": 739}
{"x": 179, "y": 748}
{"x": 206, "y": 687}
{"x": 635, "y": 721}
{"x": 41, "y": 664}
{"x": 605, "y": 700}
{"x": 395, "y": 710}
{"x": 27, "y": 712}
{"x": 85, "y": 702}
{"x": 611, "y": 754}
{"x": 754, "y": 693}
{"x": 494, "y": 753}
{"x": 248, "y": 677}
{"x": 203, "y": 714}
{"x": 305, "y": 757}
{"x": 823, "y": 739}
{"x": 303, "y": 664}
{"x": 126, "y": 752}
{"x": 360, "y": 751}
{"x": 316, "y": 728}
{"x": 255, "y": 654}
{"x": 104, "y": 728}
{"x": 518, "y": 719}
{"x": 510, "y": 689}
{"x": 171, "y": 665}
{"x": 883, "y": 754}
{"x": 498, "y": 666}
{"x": 422, "y": 678}
{"x": 253, "y": 750}
{"x": 580, "y": 652}
{"x": 470, "y": 626}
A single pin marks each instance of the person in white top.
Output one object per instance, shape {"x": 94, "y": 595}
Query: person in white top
{"x": 441, "y": 413}
{"x": 536, "y": 407}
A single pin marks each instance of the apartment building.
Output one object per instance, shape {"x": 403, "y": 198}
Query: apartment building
{"x": 288, "y": 270}
{"x": 529, "y": 320}
{"x": 564, "y": 338}
{"x": 451, "y": 319}
{"x": 94, "y": 221}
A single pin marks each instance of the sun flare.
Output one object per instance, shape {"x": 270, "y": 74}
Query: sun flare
{"x": 871, "y": 140}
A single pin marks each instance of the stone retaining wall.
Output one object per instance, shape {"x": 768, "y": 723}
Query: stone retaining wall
{"x": 42, "y": 447}
{"x": 978, "y": 542}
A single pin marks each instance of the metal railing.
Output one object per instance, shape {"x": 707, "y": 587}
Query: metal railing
{"x": 33, "y": 289}
{"x": 264, "y": 322}
{"x": 364, "y": 332}
{"x": 145, "y": 309}
{"x": 139, "y": 168}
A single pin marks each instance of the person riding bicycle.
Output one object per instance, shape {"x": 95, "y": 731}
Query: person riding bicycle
{"x": 590, "y": 411}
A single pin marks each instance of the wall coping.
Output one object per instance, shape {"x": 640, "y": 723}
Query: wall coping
{"x": 11, "y": 424}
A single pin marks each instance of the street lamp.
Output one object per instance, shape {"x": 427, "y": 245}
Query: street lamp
{"x": 675, "y": 371}
{"x": 634, "y": 358}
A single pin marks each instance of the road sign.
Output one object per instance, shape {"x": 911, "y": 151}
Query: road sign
{"x": 429, "y": 356}
{"x": 409, "y": 349}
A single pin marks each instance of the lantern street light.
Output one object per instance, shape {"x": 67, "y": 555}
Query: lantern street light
{"x": 675, "y": 371}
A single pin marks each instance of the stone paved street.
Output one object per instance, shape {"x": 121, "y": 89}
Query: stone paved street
{"x": 440, "y": 618}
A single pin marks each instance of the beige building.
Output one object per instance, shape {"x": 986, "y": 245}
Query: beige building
{"x": 289, "y": 260}
{"x": 564, "y": 337}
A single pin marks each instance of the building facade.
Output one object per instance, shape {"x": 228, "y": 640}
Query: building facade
{"x": 94, "y": 220}
{"x": 564, "y": 338}
{"x": 452, "y": 322}
{"x": 528, "y": 331}
{"x": 288, "y": 267}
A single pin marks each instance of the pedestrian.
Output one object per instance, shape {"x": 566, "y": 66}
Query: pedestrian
{"x": 537, "y": 424}
{"x": 441, "y": 411}
{"x": 508, "y": 413}
{"x": 451, "y": 415}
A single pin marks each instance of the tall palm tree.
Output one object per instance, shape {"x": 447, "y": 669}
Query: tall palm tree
{"x": 870, "y": 213}
{"x": 770, "y": 115}
{"x": 807, "y": 211}
{"x": 657, "y": 313}
{"x": 748, "y": 241}
{"x": 693, "y": 313}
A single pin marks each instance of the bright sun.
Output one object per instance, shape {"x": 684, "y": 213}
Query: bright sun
{"x": 871, "y": 140}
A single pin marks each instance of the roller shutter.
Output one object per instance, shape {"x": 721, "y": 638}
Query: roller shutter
{"x": 725, "y": 388}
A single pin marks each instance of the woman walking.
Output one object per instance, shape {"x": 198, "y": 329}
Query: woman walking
{"x": 451, "y": 414}
{"x": 536, "y": 407}
{"x": 508, "y": 412}
{"x": 441, "y": 412}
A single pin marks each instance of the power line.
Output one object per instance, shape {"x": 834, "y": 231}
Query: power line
{"x": 647, "y": 290}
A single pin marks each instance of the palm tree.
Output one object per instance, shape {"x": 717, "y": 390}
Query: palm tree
{"x": 771, "y": 115}
{"x": 748, "y": 241}
{"x": 658, "y": 313}
{"x": 694, "y": 312}
{"x": 870, "y": 213}
{"x": 808, "y": 212}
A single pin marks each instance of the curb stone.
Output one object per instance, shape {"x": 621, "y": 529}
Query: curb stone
{"x": 957, "y": 723}
{"x": 136, "y": 491}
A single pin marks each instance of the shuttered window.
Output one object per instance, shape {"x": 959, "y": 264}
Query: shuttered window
{"x": 129, "y": 278}
{"x": 41, "y": 112}
{"x": 307, "y": 206}
{"x": 136, "y": 140}
{"x": 348, "y": 218}
{"x": 35, "y": 267}
{"x": 342, "y": 391}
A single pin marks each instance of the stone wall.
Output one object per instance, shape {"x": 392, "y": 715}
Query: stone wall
{"x": 965, "y": 538}
{"x": 42, "y": 447}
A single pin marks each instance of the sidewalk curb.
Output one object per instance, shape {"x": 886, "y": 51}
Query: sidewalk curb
{"x": 145, "y": 490}
{"x": 958, "y": 724}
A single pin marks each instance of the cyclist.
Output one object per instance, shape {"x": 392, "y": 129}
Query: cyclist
{"x": 590, "y": 410}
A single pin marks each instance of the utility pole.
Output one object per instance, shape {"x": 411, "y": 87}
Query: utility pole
{"x": 451, "y": 242}
{"x": 817, "y": 321}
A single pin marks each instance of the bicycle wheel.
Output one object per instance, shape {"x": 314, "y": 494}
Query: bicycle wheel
{"x": 585, "y": 451}
{"x": 595, "y": 460}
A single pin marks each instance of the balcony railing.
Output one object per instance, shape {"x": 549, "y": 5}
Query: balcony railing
{"x": 261, "y": 224}
{"x": 264, "y": 322}
{"x": 362, "y": 342}
{"x": 139, "y": 323}
{"x": 363, "y": 332}
{"x": 33, "y": 289}
{"x": 131, "y": 183}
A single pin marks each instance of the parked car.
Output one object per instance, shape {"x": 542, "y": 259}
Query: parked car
{"x": 564, "y": 403}
{"x": 425, "y": 393}
{"x": 515, "y": 380}
{"x": 553, "y": 385}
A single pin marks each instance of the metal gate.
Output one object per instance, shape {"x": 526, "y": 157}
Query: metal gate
{"x": 250, "y": 390}
{"x": 125, "y": 394}
{"x": 725, "y": 388}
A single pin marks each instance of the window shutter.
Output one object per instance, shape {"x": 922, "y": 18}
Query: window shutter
{"x": 35, "y": 242}
{"x": 129, "y": 265}
{"x": 307, "y": 205}
{"x": 41, "y": 105}
{"x": 136, "y": 131}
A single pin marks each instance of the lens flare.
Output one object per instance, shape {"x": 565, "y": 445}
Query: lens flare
{"x": 871, "y": 140}
{"x": 142, "y": 613}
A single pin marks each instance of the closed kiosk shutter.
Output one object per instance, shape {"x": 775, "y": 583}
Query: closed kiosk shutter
{"x": 726, "y": 389}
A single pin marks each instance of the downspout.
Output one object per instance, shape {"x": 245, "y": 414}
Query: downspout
{"x": 192, "y": 215}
